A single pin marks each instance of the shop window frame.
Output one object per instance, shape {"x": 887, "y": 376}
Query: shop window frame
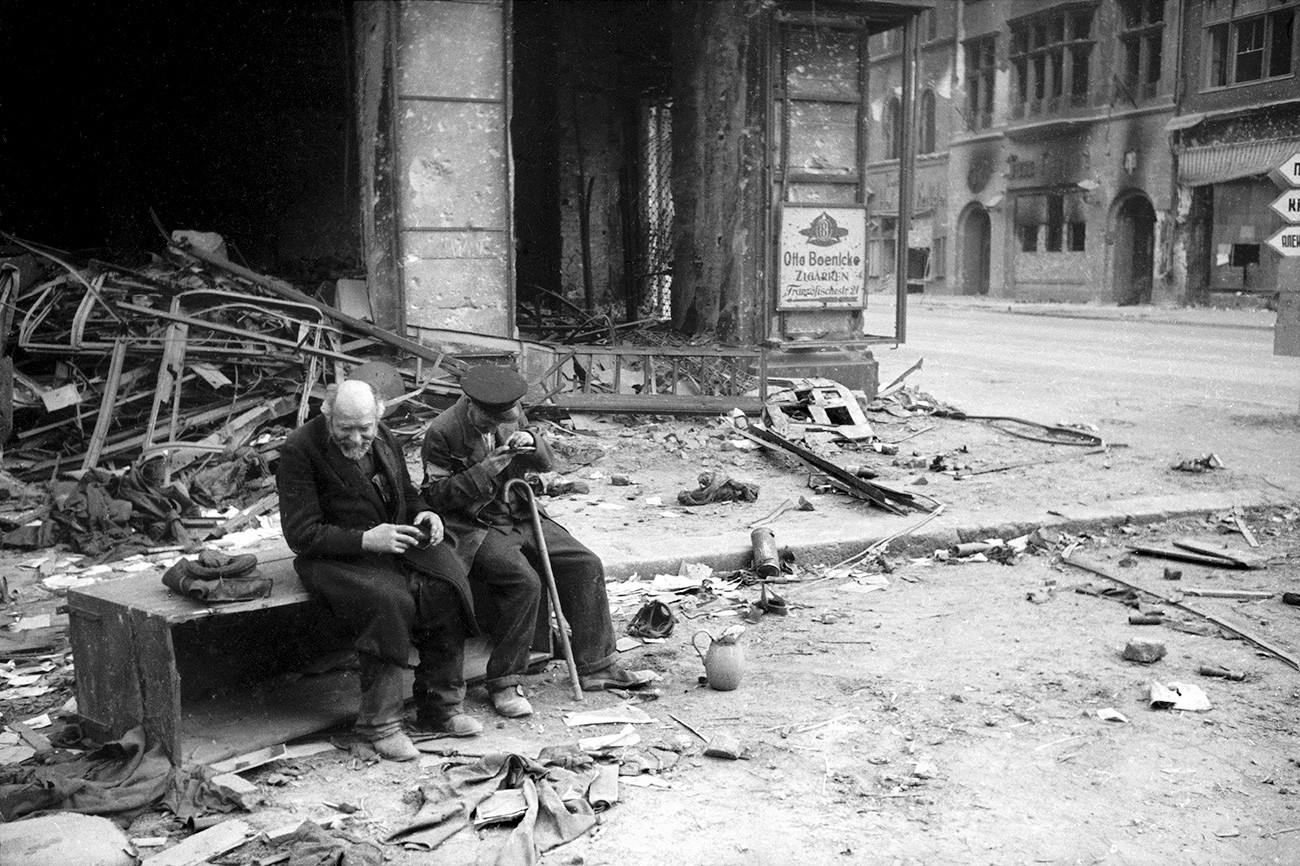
{"x": 1221, "y": 45}
{"x": 981, "y": 74}
{"x": 1141, "y": 41}
{"x": 1051, "y": 57}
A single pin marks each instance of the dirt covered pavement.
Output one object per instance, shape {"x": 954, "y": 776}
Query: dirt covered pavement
{"x": 911, "y": 711}
{"x": 949, "y": 715}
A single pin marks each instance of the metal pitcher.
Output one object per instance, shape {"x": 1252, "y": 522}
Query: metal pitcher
{"x": 724, "y": 658}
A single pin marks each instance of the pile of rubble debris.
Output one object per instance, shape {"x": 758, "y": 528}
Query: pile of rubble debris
{"x": 190, "y": 358}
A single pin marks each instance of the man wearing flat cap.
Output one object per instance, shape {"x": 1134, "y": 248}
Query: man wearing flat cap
{"x": 351, "y": 513}
{"x": 470, "y": 452}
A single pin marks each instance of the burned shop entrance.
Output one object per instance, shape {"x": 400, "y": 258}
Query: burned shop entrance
{"x": 591, "y": 134}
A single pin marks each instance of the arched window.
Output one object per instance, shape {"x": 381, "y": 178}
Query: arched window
{"x": 927, "y": 122}
{"x": 892, "y": 130}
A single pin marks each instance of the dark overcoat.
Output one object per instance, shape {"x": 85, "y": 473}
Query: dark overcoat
{"x": 455, "y": 485}
{"x": 327, "y": 504}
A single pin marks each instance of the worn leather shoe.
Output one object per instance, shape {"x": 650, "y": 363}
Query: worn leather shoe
{"x": 459, "y": 725}
{"x": 396, "y": 747}
{"x": 615, "y": 677}
{"x": 511, "y": 703}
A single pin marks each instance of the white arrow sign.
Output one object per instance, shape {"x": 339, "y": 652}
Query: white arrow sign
{"x": 1287, "y": 241}
{"x": 1289, "y": 172}
{"x": 1288, "y": 205}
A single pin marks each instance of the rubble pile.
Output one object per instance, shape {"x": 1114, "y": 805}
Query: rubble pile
{"x": 156, "y": 396}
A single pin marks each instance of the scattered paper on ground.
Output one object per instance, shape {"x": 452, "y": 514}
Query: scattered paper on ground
{"x": 1179, "y": 696}
{"x": 626, "y": 737}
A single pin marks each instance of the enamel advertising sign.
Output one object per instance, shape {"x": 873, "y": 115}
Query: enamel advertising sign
{"x": 823, "y": 257}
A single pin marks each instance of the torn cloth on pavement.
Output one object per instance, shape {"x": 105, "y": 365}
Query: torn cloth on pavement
{"x": 557, "y": 809}
{"x": 718, "y": 488}
{"x": 314, "y": 846}
{"x": 118, "y": 777}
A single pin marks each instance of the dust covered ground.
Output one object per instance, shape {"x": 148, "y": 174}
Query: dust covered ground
{"x": 937, "y": 715}
{"x": 943, "y": 718}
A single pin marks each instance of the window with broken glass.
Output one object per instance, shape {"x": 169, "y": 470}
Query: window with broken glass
{"x": 981, "y": 66}
{"x": 1050, "y": 55}
{"x": 1246, "y": 50}
{"x": 1141, "y": 40}
{"x": 1051, "y": 222}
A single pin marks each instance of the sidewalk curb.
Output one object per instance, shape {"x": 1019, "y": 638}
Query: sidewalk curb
{"x": 959, "y": 528}
{"x": 1141, "y": 320}
{"x": 1196, "y": 317}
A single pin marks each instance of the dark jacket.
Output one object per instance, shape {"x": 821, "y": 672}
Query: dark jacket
{"x": 455, "y": 486}
{"x": 327, "y": 504}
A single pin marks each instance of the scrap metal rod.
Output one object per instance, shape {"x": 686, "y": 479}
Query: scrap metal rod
{"x": 284, "y": 290}
{"x": 1095, "y": 568}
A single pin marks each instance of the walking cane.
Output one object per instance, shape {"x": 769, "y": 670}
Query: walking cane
{"x": 551, "y": 590}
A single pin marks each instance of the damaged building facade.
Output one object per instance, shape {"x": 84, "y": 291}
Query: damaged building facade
{"x": 642, "y": 160}
{"x": 1239, "y": 119}
{"x": 1044, "y": 168}
{"x": 1114, "y": 151}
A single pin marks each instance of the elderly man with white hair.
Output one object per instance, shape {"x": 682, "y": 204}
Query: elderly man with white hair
{"x": 358, "y": 526}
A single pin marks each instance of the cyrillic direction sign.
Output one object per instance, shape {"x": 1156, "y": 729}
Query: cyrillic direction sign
{"x": 1287, "y": 241}
{"x": 1288, "y": 173}
{"x": 1288, "y": 205}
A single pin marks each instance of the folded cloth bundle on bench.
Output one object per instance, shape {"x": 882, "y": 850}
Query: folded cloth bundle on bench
{"x": 217, "y": 577}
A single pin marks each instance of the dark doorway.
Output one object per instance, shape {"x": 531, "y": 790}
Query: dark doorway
{"x": 976, "y": 251}
{"x": 1134, "y": 233}
{"x": 590, "y": 135}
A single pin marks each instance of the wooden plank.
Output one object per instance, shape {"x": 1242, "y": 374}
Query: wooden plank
{"x": 232, "y": 435}
{"x": 1226, "y": 593}
{"x": 1096, "y": 568}
{"x": 1240, "y": 519}
{"x": 30, "y": 736}
{"x": 1242, "y": 558}
{"x": 262, "y": 757}
{"x": 106, "y": 405}
{"x": 203, "y": 846}
{"x": 1186, "y": 556}
{"x": 263, "y": 505}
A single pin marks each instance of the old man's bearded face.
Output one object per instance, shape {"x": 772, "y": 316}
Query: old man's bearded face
{"x": 353, "y": 427}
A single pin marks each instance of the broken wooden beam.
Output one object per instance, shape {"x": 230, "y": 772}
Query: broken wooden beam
{"x": 1188, "y": 556}
{"x": 252, "y": 512}
{"x": 1251, "y": 594}
{"x": 203, "y": 846}
{"x": 1243, "y": 559}
{"x": 1239, "y": 518}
